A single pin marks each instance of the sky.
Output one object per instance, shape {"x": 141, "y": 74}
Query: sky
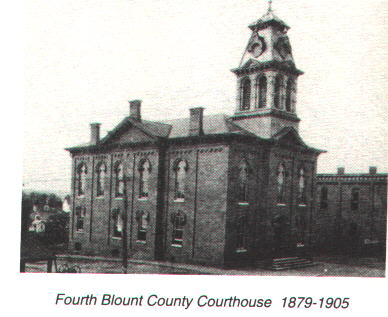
{"x": 85, "y": 59}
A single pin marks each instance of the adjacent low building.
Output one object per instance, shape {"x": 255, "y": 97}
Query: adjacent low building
{"x": 351, "y": 212}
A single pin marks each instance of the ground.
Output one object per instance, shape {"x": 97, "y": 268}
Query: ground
{"x": 323, "y": 266}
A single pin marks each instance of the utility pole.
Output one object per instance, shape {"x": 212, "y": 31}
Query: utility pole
{"x": 125, "y": 228}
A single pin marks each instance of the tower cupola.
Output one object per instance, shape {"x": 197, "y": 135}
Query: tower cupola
{"x": 267, "y": 79}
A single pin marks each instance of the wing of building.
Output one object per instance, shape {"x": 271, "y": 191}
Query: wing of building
{"x": 217, "y": 189}
{"x": 351, "y": 212}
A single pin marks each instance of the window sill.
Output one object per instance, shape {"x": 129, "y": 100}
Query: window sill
{"x": 179, "y": 200}
{"x": 142, "y": 199}
{"x": 116, "y": 238}
{"x": 370, "y": 241}
{"x": 243, "y": 204}
{"x": 241, "y": 250}
{"x": 141, "y": 242}
{"x": 176, "y": 245}
{"x": 99, "y": 197}
{"x": 302, "y": 205}
{"x": 118, "y": 198}
{"x": 281, "y": 204}
{"x": 79, "y": 231}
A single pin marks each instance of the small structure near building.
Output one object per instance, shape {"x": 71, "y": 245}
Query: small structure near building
{"x": 351, "y": 212}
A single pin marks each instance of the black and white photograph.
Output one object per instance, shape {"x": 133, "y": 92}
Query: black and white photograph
{"x": 204, "y": 141}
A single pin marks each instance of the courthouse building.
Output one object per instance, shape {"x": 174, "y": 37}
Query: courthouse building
{"x": 214, "y": 189}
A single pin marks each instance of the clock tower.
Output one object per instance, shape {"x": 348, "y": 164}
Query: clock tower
{"x": 267, "y": 79}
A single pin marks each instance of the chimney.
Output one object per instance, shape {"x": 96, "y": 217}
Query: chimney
{"x": 196, "y": 121}
{"x": 372, "y": 170}
{"x": 341, "y": 170}
{"x": 134, "y": 109}
{"x": 94, "y": 133}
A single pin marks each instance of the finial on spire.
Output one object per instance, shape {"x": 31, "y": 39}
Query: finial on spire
{"x": 270, "y": 6}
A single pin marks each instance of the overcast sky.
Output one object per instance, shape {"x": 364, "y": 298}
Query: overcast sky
{"x": 85, "y": 59}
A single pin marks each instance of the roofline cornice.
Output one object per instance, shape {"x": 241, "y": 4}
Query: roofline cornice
{"x": 197, "y": 139}
{"x": 266, "y": 113}
{"x": 271, "y": 65}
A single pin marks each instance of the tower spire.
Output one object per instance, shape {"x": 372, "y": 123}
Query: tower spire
{"x": 269, "y": 6}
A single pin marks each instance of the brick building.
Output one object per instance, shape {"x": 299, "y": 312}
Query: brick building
{"x": 212, "y": 189}
{"x": 351, "y": 211}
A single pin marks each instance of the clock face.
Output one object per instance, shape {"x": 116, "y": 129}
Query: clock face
{"x": 283, "y": 47}
{"x": 257, "y": 47}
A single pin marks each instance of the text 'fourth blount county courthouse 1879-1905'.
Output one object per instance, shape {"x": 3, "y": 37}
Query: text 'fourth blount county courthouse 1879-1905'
{"x": 216, "y": 190}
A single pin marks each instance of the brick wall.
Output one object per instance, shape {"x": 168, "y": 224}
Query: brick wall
{"x": 348, "y": 226}
{"x": 97, "y": 236}
{"x": 204, "y": 204}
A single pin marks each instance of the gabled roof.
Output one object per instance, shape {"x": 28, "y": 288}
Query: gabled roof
{"x": 213, "y": 125}
{"x": 218, "y": 124}
{"x": 151, "y": 128}
{"x": 289, "y": 133}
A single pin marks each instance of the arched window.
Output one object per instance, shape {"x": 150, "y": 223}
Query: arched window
{"x": 178, "y": 222}
{"x": 289, "y": 91}
{"x": 281, "y": 183}
{"x": 81, "y": 179}
{"x": 262, "y": 92}
{"x": 324, "y": 198}
{"x": 144, "y": 174}
{"x": 301, "y": 186}
{"x": 143, "y": 219}
{"x": 119, "y": 179}
{"x": 242, "y": 233}
{"x": 245, "y": 94}
{"x": 181, "y": 168}
{"x": 100, "y": 177}
{"x": 80, "y": 213}
{"x": 243, "y": 182}
{"x": 355, "y": 199}
{"x": 118, "y": 223}
{"x": 277, "y": 91}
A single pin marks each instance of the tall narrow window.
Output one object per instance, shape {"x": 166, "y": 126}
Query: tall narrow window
{"x": 277, "y": 91}
{"x": 302, "y": 186}
{"x": 81, "y": 179}
{"x": 180, "y": 179}
{"x": 242, "y": 233}
{"x": 262, "y": 92}
{"x": 119, "y": 179}
{"x": 355, "y": 199}
{"x": 117, "y": 223}
{"x": 289, "y": 91}
{"x": 245, "y": 94}
{"x": 281, "y": 183}
{"x": 324, "y": 198}
{"x": 301, "y": 225}
{"x": 144, "y": 174}
{"x": 80, "y": 213}
{"x": 178, "y": 222}
{"x": 243, "y": 182}
{"x": 101, "y": 174}
{"x": 143, "y": 219}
